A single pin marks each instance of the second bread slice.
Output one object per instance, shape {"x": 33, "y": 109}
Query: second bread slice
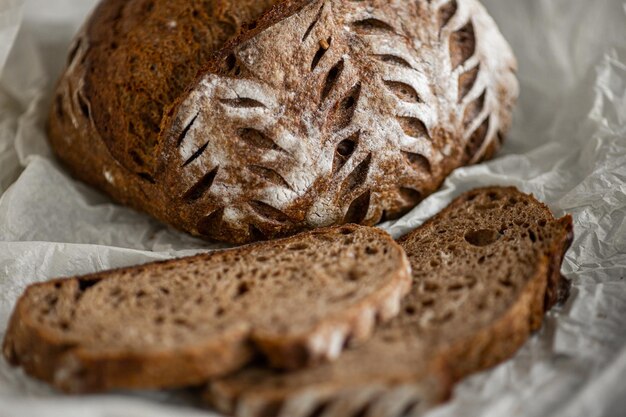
{"x": 180, "y": 322}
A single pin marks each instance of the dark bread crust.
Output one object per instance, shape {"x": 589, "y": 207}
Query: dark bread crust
{"x": 142, "y": 55}
{"x": 60, "y": 351}
{"x": 117, "y": 117}
{"x": 450, "y": 353}
{"x": 126, "y": 67}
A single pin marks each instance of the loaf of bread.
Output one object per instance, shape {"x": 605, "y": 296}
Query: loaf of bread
{"x": 322, "y": 112}
{"x": 176, "y": 323}
{"x": 484, "y": 272}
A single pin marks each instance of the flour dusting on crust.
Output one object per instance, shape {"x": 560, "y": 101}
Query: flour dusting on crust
{"x": 343, "y": 112}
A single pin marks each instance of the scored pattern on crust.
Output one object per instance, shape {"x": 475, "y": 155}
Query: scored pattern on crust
{"x": 347, "y": 111}
{"x": 71, "y": 105}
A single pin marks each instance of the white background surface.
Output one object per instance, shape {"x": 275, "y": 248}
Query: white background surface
{"x": 568, "y": 147}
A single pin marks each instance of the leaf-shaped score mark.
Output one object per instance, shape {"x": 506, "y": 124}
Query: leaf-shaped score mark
{"x": 373, "y": 25}
{"x": 357, "y": 212}
{"x": 344, "y": 151}
{"x": 269, "y": 175}
{"x": 404, "y": 91}
{"x": 258, "y": 139}
{"x": 476, "y": 141}
{"x": 241, "y": 102}
{"x": 341, "y": 115}
{"x": 313, "y": 24}
{"x": 268, "y": 212}
{"x": 196, "y": 154}
{"x": 358, "y": 176}
{"x": 209, "y": 224}
{"x": 324, "y": 46}
{"x": 393, "y": 59}
{"x": 331, "y": 80}
{"x": 418, "y": 162}
{"x": 473, "y": 110}
{"x": 467, "y": 81}
{"x": 186, "y": 129}
{"x": 462, "y": 45}
{"x": 201, "y": 187}
{"x": 410, "y": 195}
{"x": 413, "y": 127}
{"x": 446, "y": 12}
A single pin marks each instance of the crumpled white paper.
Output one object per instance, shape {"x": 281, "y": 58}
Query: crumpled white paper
{"x": 568, "y": 147}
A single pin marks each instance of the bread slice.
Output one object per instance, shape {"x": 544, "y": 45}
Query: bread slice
{"x": 484, "y": 271}
{"x": 180, "y": 322}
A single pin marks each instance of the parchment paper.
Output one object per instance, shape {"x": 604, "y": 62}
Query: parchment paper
{"x": 568, "y": 147}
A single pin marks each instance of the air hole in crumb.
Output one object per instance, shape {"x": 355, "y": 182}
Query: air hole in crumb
{"x": 455, "y": 287}
{"x": 506, "y": 282}
{"x": 262, "y": 259}
{"x": 428, "y": 302}
{"x": 242, "y": 289}
{"x": 219, "y": 312}
{"x": 542, "y": 223}
{"x": 447, "y": 317}
{"x": 482, "y": 237}
{"x": 493, "y": 196}
{"x": 410, "y": 310}
{"x": 58, "y": 285}
{"x": 83, "y": 284}
{"x": 371, "y": 251}
{"x": 181, "y": 322}
{"x": 53, "y": 301}
{"x": 431, "y": 287}
{"x": 298, "y": 247}
{"x": 346, "y": 231}
{"x": 353, "y": 276}
{"x": 140, "y": 294}
{"x": 64, "y": 325}
{"x": 434, "y": 263}
{"x": 164, "y": 290}
{"x": 159, "y": 320}
{"x": 481, "y": 260}
{"x": 532, "y": 235}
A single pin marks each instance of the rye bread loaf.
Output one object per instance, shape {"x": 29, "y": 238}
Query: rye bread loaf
{"x": 177, "y": 323}
{"x": 484, "y": 272}
{"x": 322, "y": 112}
